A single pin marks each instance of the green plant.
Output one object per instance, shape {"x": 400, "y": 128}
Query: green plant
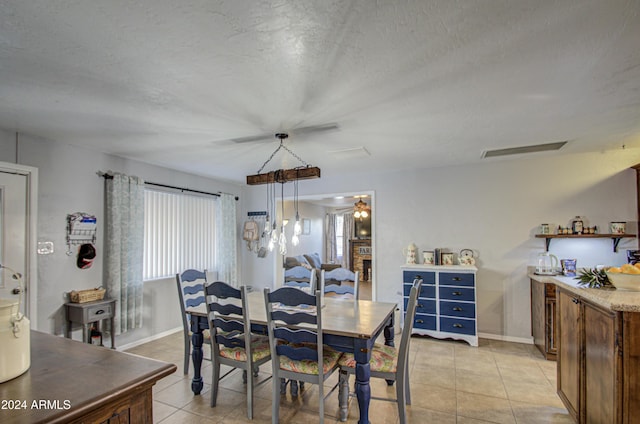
{"x": 594, "y": 278}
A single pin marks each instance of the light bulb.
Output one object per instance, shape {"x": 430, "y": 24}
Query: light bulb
{"x": 282, "y": 242}
{"x": 273, "y": 240}
{"x": 295, "y": 240}
{"x": 364, "y": 214}
{"x": 297, "y": 229}
{"x": 356, "y": 214}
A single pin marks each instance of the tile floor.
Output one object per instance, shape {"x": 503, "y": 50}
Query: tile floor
{"x": 451, "y": 382}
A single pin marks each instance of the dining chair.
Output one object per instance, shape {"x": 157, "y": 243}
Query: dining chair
{"x": 191, "y": 294}
{"x": 341, "y": 290}
{"x": 387, "y": 362}
{"x": 302, "y": 278}
{"x": 232, "y": 341}
{"x": 294, "y": 323}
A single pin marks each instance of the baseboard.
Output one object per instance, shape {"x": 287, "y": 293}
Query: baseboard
{"x": 525, "y": 340}
{"x": 150, "y": 338}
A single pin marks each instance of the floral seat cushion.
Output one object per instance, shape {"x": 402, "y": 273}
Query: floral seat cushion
{"x": 205, "y": 333}
{"x": 383, "y": 359}
{"x": 259, "y": 350}
{"x": 329, "y": 360}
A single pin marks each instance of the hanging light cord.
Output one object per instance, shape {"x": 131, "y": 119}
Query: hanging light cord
{"x": 282, "y": 146}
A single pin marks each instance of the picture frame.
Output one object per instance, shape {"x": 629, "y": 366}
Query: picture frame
{"x": 447, "y": 258}
{"x": 428, "y": 257}
{"x": 306, "y": 227}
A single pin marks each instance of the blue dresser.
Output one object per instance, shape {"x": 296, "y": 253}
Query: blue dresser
{"x": 447, "y": 301}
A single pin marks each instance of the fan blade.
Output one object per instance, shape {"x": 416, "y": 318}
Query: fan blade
{"x": 251, "y": 138}
{"x": 315, "y": 128}
{"x": 295, "y": 131}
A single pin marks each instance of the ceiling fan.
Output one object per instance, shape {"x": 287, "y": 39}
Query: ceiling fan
{"x": 293, "y": 132}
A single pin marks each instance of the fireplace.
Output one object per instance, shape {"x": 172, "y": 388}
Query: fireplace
{"x": 361, "y": 258}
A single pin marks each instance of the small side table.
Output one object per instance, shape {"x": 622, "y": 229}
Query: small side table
{"x": 88, "y": 313}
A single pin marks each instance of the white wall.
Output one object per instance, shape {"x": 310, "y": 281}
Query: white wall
{"x": 68, "y": 183}
{"x": 495, "y": 209}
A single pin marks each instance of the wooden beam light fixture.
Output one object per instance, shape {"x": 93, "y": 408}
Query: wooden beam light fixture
{"x": 284, "y": 175}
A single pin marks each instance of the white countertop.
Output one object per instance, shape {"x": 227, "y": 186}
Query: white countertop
{"x": 614, "y": 299}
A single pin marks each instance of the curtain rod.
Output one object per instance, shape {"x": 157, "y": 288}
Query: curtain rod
{"x": 109, "y": 177}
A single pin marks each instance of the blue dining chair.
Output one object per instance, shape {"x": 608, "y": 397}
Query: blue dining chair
{"x": 191, "y": 293}
{"x": 330, "y": 285}
{"x": 232, "y": 341}
{"x": 294, "y": 322}
{"x": 387, "y": 362}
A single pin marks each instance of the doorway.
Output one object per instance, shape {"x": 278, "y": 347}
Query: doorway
{"x": 323, "y": 204}
{"x": 18, "y": 187}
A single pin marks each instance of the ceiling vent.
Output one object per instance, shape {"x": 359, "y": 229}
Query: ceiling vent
{"x": 524, "y": 149}
{"x": 350, "y": 153}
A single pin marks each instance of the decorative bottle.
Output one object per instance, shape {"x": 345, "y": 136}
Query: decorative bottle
{"x": 577, "y": 225}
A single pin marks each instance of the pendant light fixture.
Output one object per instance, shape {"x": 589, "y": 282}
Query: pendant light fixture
{"x": 282, "y": 176}
{"x": 361, "y": 209}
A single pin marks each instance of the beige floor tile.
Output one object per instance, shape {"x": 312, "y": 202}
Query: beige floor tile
{"x": 539, "y": 394}
{"x": 451, "y": 382}
{"x": 481, "y": 407}
{"x": 527, "y": 413}
{"x": 436, "y": 376}
{"x": 184, "y": 417}
{"x": 433, "y": 398}
{"x": 471, "y": 382}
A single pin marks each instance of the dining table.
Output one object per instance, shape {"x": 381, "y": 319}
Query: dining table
{"x": 347, "y": 326}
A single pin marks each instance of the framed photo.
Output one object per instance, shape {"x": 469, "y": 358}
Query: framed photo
{"x": 428, "y": 258}
{"x": 306, "y": 227}
{"x": 447, "y": 259}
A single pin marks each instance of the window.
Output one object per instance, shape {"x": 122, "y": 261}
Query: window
{"x": 179, "y": 233}
{"x": 339, "y": 236}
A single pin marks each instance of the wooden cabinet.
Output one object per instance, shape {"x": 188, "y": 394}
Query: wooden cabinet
{"x": 80, "y": 383}
{"x": 543, "y": 318}
{"x": 598, "y": 360}
{"x": 569, "y": 355}
{"x": 446, "y": 303}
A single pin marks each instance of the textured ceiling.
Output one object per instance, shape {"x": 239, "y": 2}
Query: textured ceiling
{"x": 411, "y": 84}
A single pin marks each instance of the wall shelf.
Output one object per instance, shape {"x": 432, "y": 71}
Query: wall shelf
{"x": 614, "y": 237}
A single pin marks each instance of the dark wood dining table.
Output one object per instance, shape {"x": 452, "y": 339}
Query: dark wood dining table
{"x": 348, "y": 326}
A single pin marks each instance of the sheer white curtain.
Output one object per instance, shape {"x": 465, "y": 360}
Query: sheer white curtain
{"x": 348, "y": 224}
{"x": 124, "y": 241}
{"x": 226, "y": 240}
{"x": 330, "y": 250}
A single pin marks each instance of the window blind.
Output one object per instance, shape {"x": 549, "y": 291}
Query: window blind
{"x": 179, "y": 233}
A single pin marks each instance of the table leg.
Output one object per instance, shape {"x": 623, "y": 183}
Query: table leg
{"x": 85, "y": 332}
{"x": 363, "y": 390}
{"x": 113, "y": 332}
{"x": 196, "y": 355}
{"x": 388, "y": 340}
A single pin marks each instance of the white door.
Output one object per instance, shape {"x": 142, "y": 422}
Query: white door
{"x": 13, "y": 233}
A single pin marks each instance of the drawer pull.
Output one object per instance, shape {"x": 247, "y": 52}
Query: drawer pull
{"x": 457, "y": 279}
{"x": 456, "y": 293}
{"x": 575, "y": 300}
{"x": 457, "y": 308}
{"x": 420, "y": 305}
{"x": 100, "y": 312}
{"x": 456, "y": 325}
{"x": 419, "y": 321}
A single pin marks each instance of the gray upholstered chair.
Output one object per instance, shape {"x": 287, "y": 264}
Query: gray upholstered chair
{"x": 328, "y": 285}
{"x": 387, "y": 362}
{"x": 232, "y": 341}
{"x": 294, "y": 321}
{"x": 191, "y": 294}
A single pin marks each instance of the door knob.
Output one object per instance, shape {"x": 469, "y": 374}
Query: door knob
{"x": 16, "y": 290}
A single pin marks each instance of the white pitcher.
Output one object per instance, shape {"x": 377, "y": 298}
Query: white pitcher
{"x": 410, "y": 253}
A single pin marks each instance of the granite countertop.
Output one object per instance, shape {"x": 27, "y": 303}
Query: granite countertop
{"x": 616, "y": 300}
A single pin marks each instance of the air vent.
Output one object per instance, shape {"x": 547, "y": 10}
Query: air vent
{"x": 350, "y": 153}
{"x": 524, "y": 149}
